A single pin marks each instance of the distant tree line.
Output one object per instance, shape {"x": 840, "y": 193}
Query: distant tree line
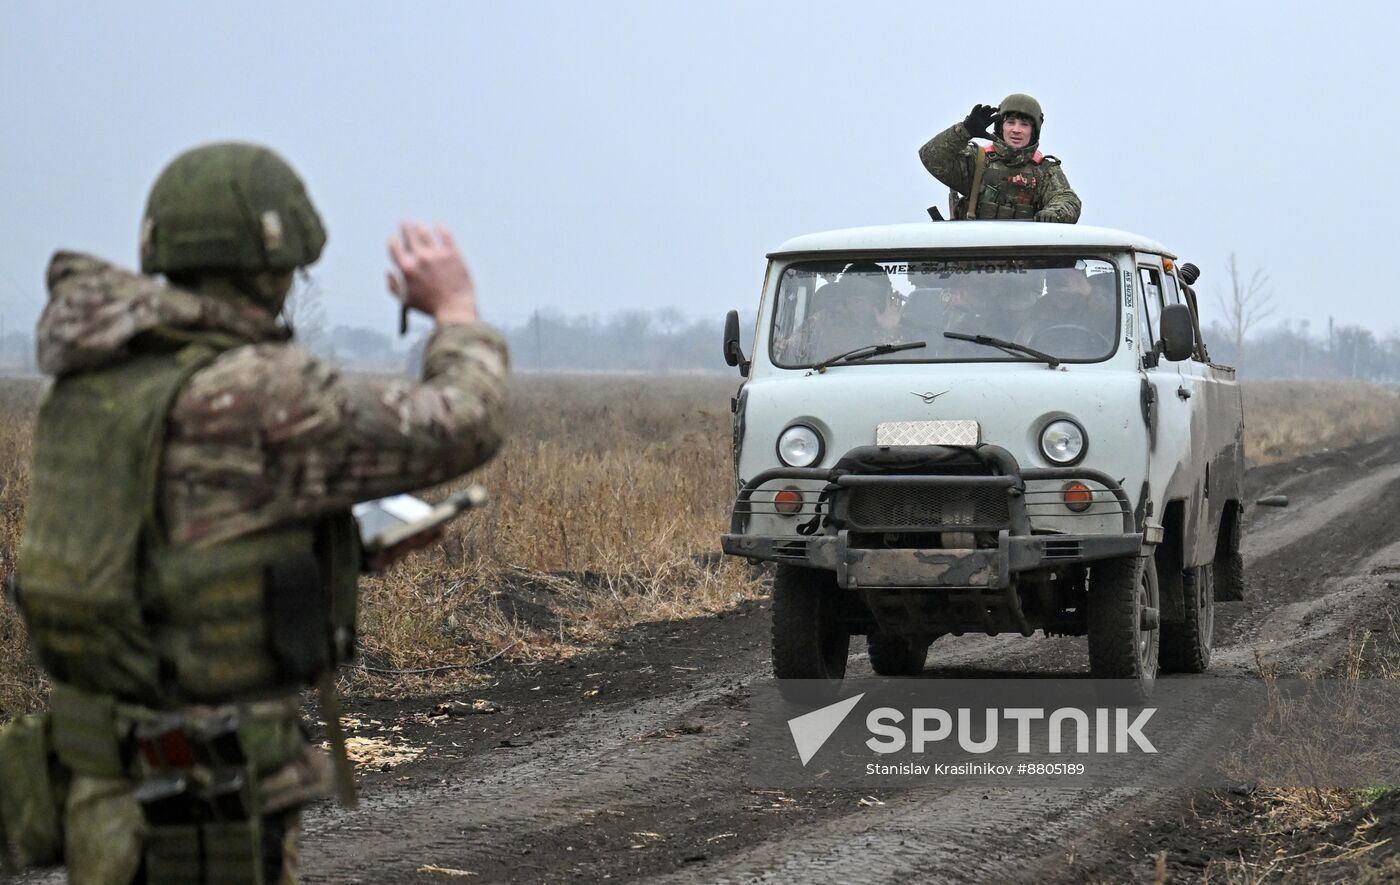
{"x": 1292, "y": 349}
{"x": 630, "y": 341}
{"x": 633, "y": 340}
{"x": 666, "y": 341}
{"x": 16, "y": 353}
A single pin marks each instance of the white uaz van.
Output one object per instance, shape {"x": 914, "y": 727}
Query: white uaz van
{"x": 986, "y": 427}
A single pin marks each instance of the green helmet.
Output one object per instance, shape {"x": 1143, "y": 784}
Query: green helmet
{"x": 229, "y": 207}
{"x": 1020, "y": 103}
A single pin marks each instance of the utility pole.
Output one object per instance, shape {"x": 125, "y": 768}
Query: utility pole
{"x": 539, "y": 340}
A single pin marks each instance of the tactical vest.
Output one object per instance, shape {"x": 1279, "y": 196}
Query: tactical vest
{"x": 1009, "y": 192}
{"x": 117, "y": 612}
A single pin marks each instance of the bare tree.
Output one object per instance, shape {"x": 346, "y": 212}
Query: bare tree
{"x": 1246, "y": 305}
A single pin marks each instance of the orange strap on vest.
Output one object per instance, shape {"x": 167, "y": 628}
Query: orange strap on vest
{"x": 1035, "y": 158}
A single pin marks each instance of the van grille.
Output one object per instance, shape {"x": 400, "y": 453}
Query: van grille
{"x": 927, "y": 508}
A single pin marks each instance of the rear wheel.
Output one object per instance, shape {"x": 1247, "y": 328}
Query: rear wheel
{"x": 1186, "y": 645}
{"x": 1123, "y": 621}
{"x": 893, "y": 654}
{"x": 810, "y": 637}
{"x": 1229, "y": 564}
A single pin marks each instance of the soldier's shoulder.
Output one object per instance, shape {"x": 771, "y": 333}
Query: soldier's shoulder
{"x": 266, "y": 391}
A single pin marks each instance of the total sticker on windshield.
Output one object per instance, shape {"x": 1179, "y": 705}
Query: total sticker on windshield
{"x": 980, "y": 266}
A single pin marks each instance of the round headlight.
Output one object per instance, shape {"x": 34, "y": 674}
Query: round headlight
{"x": 800, "y": 446}
{"x": 1063, "y": 442}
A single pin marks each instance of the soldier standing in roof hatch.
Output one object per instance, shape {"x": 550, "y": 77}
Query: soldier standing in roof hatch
{"x": 1009, "y": 179}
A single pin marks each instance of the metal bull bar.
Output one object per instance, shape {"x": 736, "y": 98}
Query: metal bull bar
{"x": 1005, "y": 473}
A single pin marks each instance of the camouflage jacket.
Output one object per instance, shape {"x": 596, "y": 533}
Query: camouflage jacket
{"x": 266, "y": 433}
{"x": 1015, "y": 183}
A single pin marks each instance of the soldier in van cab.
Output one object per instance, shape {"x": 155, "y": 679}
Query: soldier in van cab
{"x": 1009, "y": 179}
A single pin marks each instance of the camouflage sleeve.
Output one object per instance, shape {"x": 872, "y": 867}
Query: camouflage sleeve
{"x": 1057, "y": 199}
{"x": 267, "y": 433}
{"x": 946, "y": 157}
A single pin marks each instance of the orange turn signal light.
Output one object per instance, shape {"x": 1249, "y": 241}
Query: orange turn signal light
{"x": 788, "y": 501}
{"x": 1078, "y": 496}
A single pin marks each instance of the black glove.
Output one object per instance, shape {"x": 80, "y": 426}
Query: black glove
{"x": 982, "y": 116}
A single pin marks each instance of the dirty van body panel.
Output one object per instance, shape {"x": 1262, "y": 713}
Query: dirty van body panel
{"x": 1219, "y": 445}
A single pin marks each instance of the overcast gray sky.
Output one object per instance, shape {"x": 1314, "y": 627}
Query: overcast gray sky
{"x": 593, "y": 157}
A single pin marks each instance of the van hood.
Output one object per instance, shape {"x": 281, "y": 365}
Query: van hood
{"x": 1011, "y": 403}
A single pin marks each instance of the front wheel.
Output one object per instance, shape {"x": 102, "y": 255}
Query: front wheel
{"x": 1123, "y": 621}
{"x": 893, "y": 654}
{"x": 810, "y": 637}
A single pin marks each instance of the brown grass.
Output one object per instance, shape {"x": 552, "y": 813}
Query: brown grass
{"x": 1285, "y": 419}
{"x": 607, "y": 507}
{"x": 608, "y": 503}
{"x": 21, "y": 688}
{"x": 1318, "y": 832}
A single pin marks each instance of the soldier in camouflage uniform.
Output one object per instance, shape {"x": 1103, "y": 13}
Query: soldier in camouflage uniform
{"x": 1013, "y": 179}
{"x": 189, "y": 561}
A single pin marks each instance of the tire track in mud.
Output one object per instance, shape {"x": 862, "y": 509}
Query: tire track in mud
{"x": 619, "y": 791}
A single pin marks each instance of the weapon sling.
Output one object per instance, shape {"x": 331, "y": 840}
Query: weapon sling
{"x": 979, "y": 166}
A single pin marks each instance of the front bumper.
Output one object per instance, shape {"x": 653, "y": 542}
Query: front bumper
{"x": 858, "y": 567}
{"x": 831, "y": 539}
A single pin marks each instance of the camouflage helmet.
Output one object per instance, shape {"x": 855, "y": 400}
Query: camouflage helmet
{"x": 1024, "y": 105}
{"x": 229, "y": 207}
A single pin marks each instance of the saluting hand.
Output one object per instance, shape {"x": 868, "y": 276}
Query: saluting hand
{"x": 982, "y": 116}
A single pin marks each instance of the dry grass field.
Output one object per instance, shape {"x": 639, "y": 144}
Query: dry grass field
{"x": 20, "y": 688}
{"x": 1284, "y": 419}
{"x": 608, "y": 503}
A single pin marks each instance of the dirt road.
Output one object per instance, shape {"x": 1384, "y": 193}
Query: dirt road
{"x": 630, "y": 763}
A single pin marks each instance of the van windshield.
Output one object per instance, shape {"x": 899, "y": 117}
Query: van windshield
{"x": 1064, "y": 306}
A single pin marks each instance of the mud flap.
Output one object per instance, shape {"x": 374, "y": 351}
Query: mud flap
{"x": 32, "y": 792}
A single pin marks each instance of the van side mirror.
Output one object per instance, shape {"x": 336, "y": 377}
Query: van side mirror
{"x": 733, "y": 353}
{"x": 1178, "y": 332}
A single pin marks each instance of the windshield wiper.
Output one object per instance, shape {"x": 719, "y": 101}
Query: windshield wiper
{"x": 1008, "y": 346}
{"x": 862, "y": 353}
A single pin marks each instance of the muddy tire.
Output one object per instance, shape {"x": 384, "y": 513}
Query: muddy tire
{"x": 1229, "y": 578}
{"x": 1186, "y": 645}
{"x": 810, "y": 638}
{"x": 897, "y": 655}
{"x": 1229, "y": 564}
{"x": 1124, "y": 633}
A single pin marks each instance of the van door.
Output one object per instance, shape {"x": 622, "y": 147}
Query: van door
{"x": 1170, "y": 407}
